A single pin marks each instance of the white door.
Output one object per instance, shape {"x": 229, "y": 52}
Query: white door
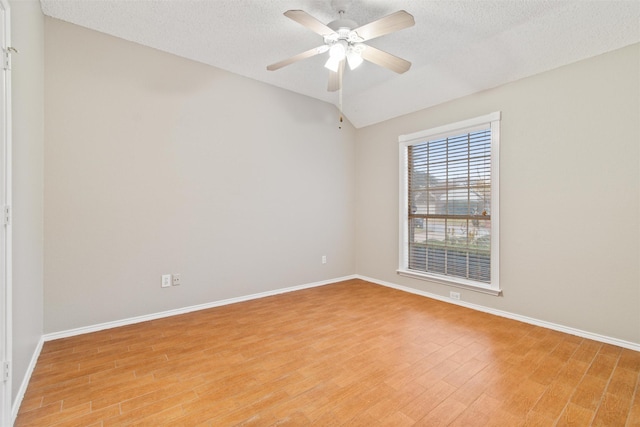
{"x": 5, "y": 238}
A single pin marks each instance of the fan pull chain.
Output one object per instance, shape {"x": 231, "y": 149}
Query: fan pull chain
{"x": 340, "y": 106}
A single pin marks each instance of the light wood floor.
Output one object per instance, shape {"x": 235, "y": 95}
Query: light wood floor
{"x": 351, "y": 353}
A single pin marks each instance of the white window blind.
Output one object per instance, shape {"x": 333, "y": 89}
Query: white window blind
{"x": 448, "y": 213}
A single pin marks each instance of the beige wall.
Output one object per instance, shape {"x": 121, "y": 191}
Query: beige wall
{"x": 155, "y": 164}
{"x": 570, "y": 189}
{"x": 28, "y": 147}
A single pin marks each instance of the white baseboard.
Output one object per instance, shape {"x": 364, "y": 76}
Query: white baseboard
{"x": 25, "y": 381}
{"x": 175, "y": 312}
{"x": 509, "y": 315}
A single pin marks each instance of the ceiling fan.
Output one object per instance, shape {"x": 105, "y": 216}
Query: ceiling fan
{"x": 344, "y": 40}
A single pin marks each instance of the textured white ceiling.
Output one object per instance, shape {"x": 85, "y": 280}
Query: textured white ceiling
{"x": 456, "y": 47}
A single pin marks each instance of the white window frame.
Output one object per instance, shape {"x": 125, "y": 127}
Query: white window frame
{"x": 465, "y": 126}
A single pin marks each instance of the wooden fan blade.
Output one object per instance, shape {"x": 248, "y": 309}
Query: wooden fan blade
{"x": 304, "y": 55}
{"x": 385, "y": 59}
{"x": 390, "y": 23}
{"x": 335, "y": 78}
{"x": 303, "y": 18}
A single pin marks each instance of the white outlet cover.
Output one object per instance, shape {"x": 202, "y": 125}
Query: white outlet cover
{"x": 166, "y": 281}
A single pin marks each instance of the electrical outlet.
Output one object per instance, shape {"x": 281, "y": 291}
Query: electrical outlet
{"x": 324, "y": 259}
{"x": 176, "y": 279}
{"x": 166, "y": 281}
{"x": 454, "y": 295}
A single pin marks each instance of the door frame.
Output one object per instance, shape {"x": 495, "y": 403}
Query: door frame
{"x": 6, "y": 415}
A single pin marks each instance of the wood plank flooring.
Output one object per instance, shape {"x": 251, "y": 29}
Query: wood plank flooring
{"x": 350, "y": 353}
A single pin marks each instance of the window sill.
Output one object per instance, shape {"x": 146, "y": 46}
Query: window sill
{"x": 451, "y": 282}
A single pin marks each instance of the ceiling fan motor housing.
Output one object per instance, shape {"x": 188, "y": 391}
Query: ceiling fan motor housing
{"x": 341, "y": 23}
{"x": 343, "y": 31}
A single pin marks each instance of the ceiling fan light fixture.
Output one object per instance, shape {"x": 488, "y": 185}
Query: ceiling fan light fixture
{"x": 338, "y": 50}
{"x": 354, "y": 59}
{"x": 337, "y": 53}
{"x": 333, "y": 63}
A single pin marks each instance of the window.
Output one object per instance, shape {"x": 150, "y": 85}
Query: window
{"x": 449, "y": 204}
